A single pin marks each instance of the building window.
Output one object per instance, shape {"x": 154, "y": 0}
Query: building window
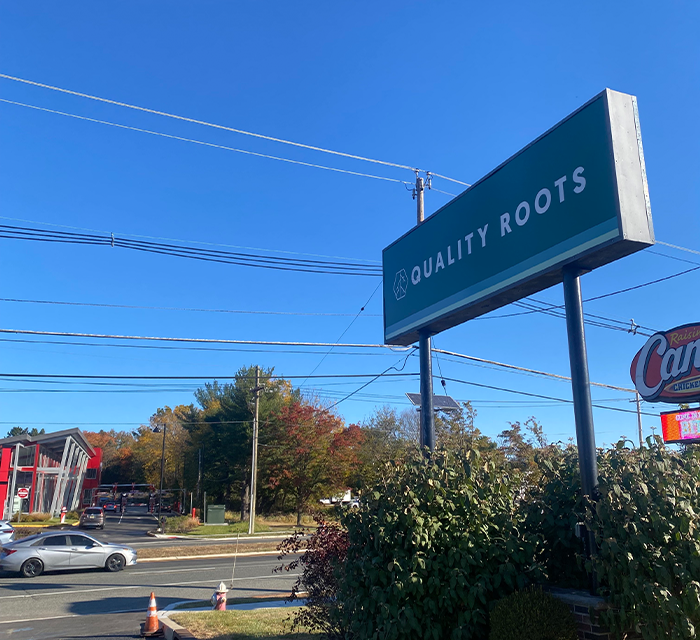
{"x": 91, "y": 474}
{"x": 87, "y": 495}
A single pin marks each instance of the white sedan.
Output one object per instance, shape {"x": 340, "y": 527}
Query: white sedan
{"x": 33, "y": 555}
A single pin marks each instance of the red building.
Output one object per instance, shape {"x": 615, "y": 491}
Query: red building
{"x": 58, "y": 469}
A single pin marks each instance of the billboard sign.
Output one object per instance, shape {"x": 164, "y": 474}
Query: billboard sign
{"x": 681, "y": 426}
{"x": 667, "y": 367}
{"x": 576, "y": 195}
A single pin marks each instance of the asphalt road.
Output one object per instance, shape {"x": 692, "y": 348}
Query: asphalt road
{"x": 130, "y": 528}
{"x": 97, "y": 604}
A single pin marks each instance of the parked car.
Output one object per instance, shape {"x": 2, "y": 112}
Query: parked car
{"x": 35, "y": 554}
{"x": 92, "y": 517}
{"x": 7, "y": 533}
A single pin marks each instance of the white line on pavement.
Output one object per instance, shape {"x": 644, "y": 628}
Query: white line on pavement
{"x": 43, "y": 594}
{"x": 68, "y": 615}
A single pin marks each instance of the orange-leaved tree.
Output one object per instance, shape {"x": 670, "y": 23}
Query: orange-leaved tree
{"x": 308, "y": 453}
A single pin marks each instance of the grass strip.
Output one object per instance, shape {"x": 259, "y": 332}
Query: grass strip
{"x": 243, "y": 625}
{"x": 205, "y": 550}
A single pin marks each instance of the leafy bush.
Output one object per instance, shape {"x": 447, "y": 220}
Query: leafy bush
{"x": 532, "y": 614}
{"x": 431, "y": 547}
{"x": 32, "y": 517}
{"x": 180, "y": 524}
{"x": 553, "y": 506}
{"x": 325, "y": 551}
{"x": 647, "y": 526}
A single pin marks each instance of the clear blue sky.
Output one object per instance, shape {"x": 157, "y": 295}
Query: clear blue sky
{"x": 451, "y": 87}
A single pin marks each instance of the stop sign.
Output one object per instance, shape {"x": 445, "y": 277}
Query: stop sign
{"x": 22, "y": 493}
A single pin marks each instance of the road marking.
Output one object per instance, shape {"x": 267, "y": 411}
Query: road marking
{"x": 139, "y": 586}
{"x": 68, "y": 615}
{"x": 18, "y": 630}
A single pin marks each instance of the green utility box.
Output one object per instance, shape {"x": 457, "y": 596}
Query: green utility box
{"x": 216, "y": 514}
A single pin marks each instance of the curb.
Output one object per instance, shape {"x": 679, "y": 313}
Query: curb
{"x": 210, "y": 555}
{"x": 231, "y": 538}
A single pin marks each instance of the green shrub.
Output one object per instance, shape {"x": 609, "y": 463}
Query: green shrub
{"x": 647, "y": 526}
{"x": 532, "y": 614}
{"x": 430, "y": 548}
{"x": 32, "y": 517}
{"x": 553, "y": 506}
{"x": 180, "y": 524}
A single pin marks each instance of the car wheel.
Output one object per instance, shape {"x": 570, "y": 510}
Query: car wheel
{"x": 32, "y": 568}
{"x": 115, "y": 562}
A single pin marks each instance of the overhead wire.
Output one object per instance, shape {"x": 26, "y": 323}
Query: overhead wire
{"x": 155, "y": 308}
{"x": 352, "y": 322}
{"x": 210, "y": 124}
{"x": 203, "y": 143}
{"x": 190, "y": 241}
{"x": 183, "y": 251}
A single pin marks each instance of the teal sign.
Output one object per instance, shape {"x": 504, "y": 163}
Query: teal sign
{"x": 576, "y": 195}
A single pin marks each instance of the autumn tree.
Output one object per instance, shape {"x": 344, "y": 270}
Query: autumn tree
{"x": 118, "y": 461}
{"x": 223, "y": 431}
{"x": 149, "y": 449}
{"x": 520, "y": 443}
{"x": 307, "y": 454}
{"x": 456, "y": 431}
{"x": 386, "y": 435}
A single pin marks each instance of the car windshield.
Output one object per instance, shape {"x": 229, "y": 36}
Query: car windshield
{"x": 93, "y": 511}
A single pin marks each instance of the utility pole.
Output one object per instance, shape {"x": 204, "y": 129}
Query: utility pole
{"x": 254, "y": 466}
{"x": 427, "y": 417}
{"x": 162, "y": 471}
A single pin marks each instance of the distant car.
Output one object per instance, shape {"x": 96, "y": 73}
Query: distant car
{"x": 110, "y": 506}
{"x": 7, "y": 533}
{"x": 33, "y": 555}
{"x": 92, "y": 517}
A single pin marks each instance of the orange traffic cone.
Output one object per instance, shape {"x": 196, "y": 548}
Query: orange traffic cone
{"x": 152, "y": 626}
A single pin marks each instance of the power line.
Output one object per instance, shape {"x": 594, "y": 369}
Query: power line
{"x": 67, "y": 334}
{"x": 344, "y": 332}
{"x": 675, "y": 246}
{"x": 528, "y": 370}
{"x": 383, "y": 373}
{"x": 184, "y": 251}
{"x": 210, "y": 124}
{"x": 190, "y": 241}
{"x": 537, "y": 395}
{"x": 151, "y": 308}
{"x": 201, "y": 142}
{"x": 70, "y": 376}
{"x": 185, "y": 348}
{"x": 600, "y": 297}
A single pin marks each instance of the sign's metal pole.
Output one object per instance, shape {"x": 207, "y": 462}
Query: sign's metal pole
{"x": 583, "y": 409}
{"x": 639, "y": 419}
{"x": 427, "y": 416}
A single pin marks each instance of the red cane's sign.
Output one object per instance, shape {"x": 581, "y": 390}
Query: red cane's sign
{"x": 667, "y": 368}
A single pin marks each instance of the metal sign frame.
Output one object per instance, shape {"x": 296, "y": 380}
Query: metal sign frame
{"x": 577, "y": 195}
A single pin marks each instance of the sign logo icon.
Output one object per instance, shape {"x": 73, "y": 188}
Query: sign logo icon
{"x": 400, "y": 284}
